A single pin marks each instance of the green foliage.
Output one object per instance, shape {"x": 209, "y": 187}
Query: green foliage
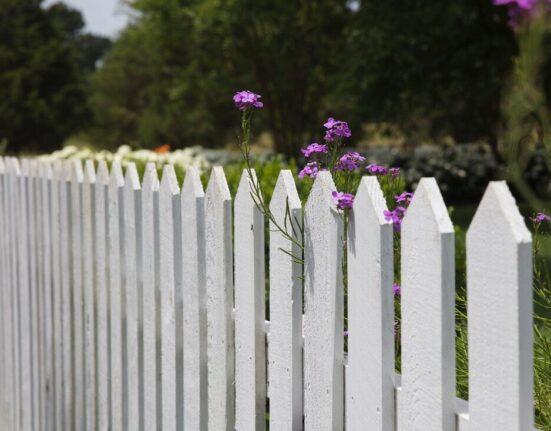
{"x": 42, "y": 77}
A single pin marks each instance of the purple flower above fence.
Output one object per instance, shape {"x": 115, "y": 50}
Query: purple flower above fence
{"x": 540, "y": 218}
{"x": 404, "y": 197}
{"x": 336, "y": 129}
{"x": 377, "y": 169}
{"x": 310, "y": 170}
{"x": 315, "y": 148}
{"x": 349, "y": 161}
{"x": 247, "y": 99}
{"x": 343, "y": 200}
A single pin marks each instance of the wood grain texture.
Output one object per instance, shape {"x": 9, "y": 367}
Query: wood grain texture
{"x": 250, "y": 313}
{"x": 285, "y": 341}
{"x": 194, "y": 303}
{"x": 499, "y": 282}
{"x": 428, "y": 314}
{"x": 370, "y": 370}
{"x": 324, "y": 310}
{"x": 219, "y": 288}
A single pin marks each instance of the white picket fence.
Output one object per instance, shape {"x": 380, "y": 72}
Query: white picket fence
{"x": 125, "y": 306}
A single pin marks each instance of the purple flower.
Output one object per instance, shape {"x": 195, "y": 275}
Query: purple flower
{"x": 343, "y": 200}
{"x": 395, "y": 216}
{"x": 377, "y": 169}
{"x": 314, "y": 148}
{"x": 394, "y": 172}
{"x": 404, "y": 197}
{"x": 522, "y": 4}
{"x": 397, "y": 289}
{"x": 540, "y": 217}
{"x": 310, "y": 170}
{"x": 349, "y": 161}
{"x": 247, "y": 99}
{"x": 336, "y": 129}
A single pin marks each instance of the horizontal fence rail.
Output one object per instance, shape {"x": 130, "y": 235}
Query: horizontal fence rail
{"x": 143, "y": 305}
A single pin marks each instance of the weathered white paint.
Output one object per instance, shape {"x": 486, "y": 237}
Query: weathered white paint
{"x": 168, "y": 196}
{"x": 102, "y": 296}
{"x": 132, "y": 226}
{"x": 194, "y": 302}
{"x": 219, "y": 288}
{"x": 250, "y": 314}
{"x": 76, "y": 179}
{"x": 428, "y": 313}
{"x": 89, "y": 294}
{"x": 24, "y": 291}
{"x": 150, "y": 277}
{"x": 115, "y": 246}
{"x": 370, "y": 370}
{"x": 499, "y": 281}
{"x": 324, "y": 313}
{"x": 57, "y": 297}
{"x": 285, "y": 342}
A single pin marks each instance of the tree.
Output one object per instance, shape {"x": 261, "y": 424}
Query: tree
{"x": 43, "y": 74}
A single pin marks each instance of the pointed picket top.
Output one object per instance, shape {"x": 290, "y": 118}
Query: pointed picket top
{"x": 428, "y": 313}
{"x": 498, "y": 207}
{"x": 77, "y": 173}
{"x": 320, "y": 194}
{"x": 499, "y": 284}
{"x": 169, "y": 182}
{"x": 285, "y": 191}
{"x": 370, "y": 370}
{"x": 150, "y": 178}
{"x": 428, "y": 202}
{"x": 192, "y": 187}
{"x": 102, "y": 174}
{"x": 217, "y": 188}
{"x": 244, "y": 194}
{"x": 89, "y": 172}
{"x": 131, "y": 177}
{"x": 116, "y": 178}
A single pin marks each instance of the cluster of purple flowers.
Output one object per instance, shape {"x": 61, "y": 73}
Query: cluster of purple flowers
{"x": 396, "y": 216}
{"x": 310, "y": 170}
{"x": 315, "y": 148}
{"x": 540, "y": 218}
{"x": 349, "y": 161}
{"x": 343, "y": 200}
{"x": 336, "y": 129}
{"x": 382, "y": 170}
{"x": 247, "y": 99}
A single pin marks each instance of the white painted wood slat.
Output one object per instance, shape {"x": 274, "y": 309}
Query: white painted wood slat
{"x": 499, "y": 282}
{"x": 115, "y": 246}
{"x": 219, "y": 288}
{"x": 150, "y": 301}
{"x": 194, "y": 302}
{"x": 102, "y": 296}
{"x": 285, "y": 341}
{"x": 250, "y": 313}
{"x": 169, "y": 205}
{"x": 324, "y": 310}
{"x": 428, "y": 314}
{"x": 89, "y": 296}
{"x": 370, "y": 369}
{"x": 132, "y": 226}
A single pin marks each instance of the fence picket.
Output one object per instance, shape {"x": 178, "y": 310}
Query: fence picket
{"x": 194, "y": 306}
{"x": 285, "y": 341}
{"x": 150, "y": 276}
{"x": 89, "y": 297}
{"x": 45, "y": 253}
{"x": 132, "y": 226}
{"x": 115, "y": 246}
{"x": 370, "y": 369}
{"x": 6, "y": 366}
{"x": 499, "y": 282}
{"x": 102, "y": 295}
{"x": 324, "y": 310}
{"x": 219, "y": 288}
{"x": 169, "y": 205}
{"x": 428, "y": 318}
{"x": 250, "y": 314}
{"x": 76, "y": 179}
